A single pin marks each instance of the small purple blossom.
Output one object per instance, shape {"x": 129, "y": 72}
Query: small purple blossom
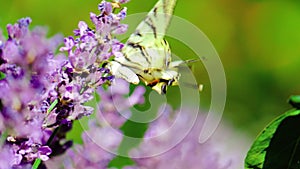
{"x": 69, "y": 44}
{"x": 19, "y": 29}
{"x": 122, "y": 1}
{"x": 114, "y": 108}
{"x": 105, "y": 7}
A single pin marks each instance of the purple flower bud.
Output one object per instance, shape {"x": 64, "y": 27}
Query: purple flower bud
{"x": 20, "y": 29}
{"x": 69, "y": 44}
{"x": 44, "y": 152}
{"x": 122, "y": 14}
{"x": 105, "y": 7}
{"x": 12, "y": 53}
{"x": 24, "y": 22}
{"x": 82, "y": 27}
{"x": 123, "y": 1}
{"x": 122, "y": 28}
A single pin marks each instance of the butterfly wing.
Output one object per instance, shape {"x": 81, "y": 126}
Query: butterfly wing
{"x": 123, "y": 72}
{"x": 155, "y": 24}
{"x": 146, "y": 47}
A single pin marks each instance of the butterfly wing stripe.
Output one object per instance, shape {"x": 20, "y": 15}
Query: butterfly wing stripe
{"x": 150, "y": 24}
{"x": 134, "y": 55}
{"x": 142, "y": 50}
{"x": 150, "y": 33}
{"x": 158, "y": 18}
{"x": 167, "y": 53}
{"x": 137, "y": 33}
{"x": 126, "y": 61}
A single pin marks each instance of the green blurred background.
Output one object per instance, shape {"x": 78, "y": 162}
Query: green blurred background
{"x": 258, "y": 42}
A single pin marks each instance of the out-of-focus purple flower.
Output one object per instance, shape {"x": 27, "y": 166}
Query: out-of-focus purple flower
{"x": 18, "y": 30}
{"x": 95, "y": 151}
{"x": 122, "y": 1}
{"x": 115, "y": 104}
{"x": 8, "y": 158}
{"x": 102, "y": 139}
{"x": 188, "y": 153}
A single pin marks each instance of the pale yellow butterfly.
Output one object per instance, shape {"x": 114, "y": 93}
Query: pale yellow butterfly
{"x": 147, "y": 55}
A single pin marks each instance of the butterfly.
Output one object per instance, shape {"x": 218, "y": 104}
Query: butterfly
{"x": 147, "y": 55}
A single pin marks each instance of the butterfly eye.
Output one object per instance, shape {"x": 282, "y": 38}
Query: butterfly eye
{"x": 164, "y": 88}
{"x": 170, "y": 82}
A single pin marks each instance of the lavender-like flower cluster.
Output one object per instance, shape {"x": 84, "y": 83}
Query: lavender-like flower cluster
{"x": 25, "y": 62}
{"x": 103, "y": 136}
{"x": 188, "y": 153}
{"x": 42, "y": 93}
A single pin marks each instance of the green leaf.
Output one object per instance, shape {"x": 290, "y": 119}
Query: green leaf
{"x": 2, "y": 75}
{"x": 278, "y": 145}
{"x": 295, "y": 101}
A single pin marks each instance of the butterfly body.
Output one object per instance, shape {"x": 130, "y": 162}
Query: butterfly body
{"x": 147, "y": 55}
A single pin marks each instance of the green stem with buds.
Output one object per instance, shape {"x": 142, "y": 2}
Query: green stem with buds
{"x": 38, "y": 161}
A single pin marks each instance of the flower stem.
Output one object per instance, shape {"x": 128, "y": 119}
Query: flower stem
{"x": 38, "y": 161}
{"x": 3, "y": 138}
{"x": 53, "y": 104}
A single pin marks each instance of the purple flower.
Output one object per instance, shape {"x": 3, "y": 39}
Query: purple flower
{"x": 77, "y": 79}
{"x": 19, "y": 29}
{"x": 114, "y": 107}
{"x": 98, "y": 42}
{"x": 43, "y": 152}
{"x": 69, "y": 44}
{"x": 105, "y": 7}
{"x": 188, "y": 153}
{"x": 102, "y": 139}
{"x": 8, "y": 158}
{"x": 26, "y": 54}
{"x": 24, "y": 151}
{"x": 95, "y": 151}
{"x": 26, "y": 57}
{"x": 122, "y": 1}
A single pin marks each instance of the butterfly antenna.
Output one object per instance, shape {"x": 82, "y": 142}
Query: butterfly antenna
{"x": 194, "y": 86}
{"x": 188, "y": 63}
{"x": 191, "y": 61}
